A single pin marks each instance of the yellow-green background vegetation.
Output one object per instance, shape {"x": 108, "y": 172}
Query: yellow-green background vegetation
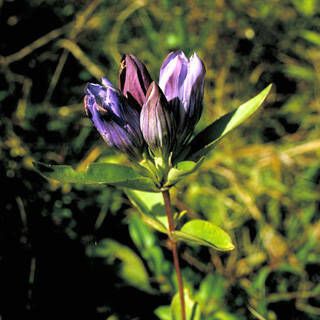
{"x": 82, "y": 251}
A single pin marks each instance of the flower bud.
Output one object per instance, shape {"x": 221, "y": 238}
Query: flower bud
{"x": 115, "y": 120}
{"x": 134, "y": 80}
{"x": 182, "y": 81}
{"x": 157, "y": 122}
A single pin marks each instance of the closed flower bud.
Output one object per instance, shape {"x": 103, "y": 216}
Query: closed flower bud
{"x": 157, "y": 122}
{"x": 134, "y": 80}
{"x": 115, "y": 120}
{"x": 182, "y": 81}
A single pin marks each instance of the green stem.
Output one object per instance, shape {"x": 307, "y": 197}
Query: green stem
{"x": 174, "y": 249}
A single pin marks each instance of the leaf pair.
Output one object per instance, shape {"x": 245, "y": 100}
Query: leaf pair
{"x": 194, "y": 232}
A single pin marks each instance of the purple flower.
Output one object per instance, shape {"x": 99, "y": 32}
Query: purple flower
{"x": 134, "y": 80}
{"x": 182, "y": 81}
{"x": 142, "y": 112}
{"x": 157, "y": 122}
{"x": 116, "y": 121}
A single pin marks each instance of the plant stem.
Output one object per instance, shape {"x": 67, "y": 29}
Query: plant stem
{"x": 174, "y": 249}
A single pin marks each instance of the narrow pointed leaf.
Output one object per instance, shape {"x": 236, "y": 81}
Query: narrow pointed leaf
{"x": 98, "y": 173}
{"x": 151, "y": 208}
{"x": 208, "y": 138}
{"x": 205, "y": 233}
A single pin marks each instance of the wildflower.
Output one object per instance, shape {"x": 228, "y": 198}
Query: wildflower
{"x": 157, "y": 122}
{"x": 182, "y": 81}
{"x": 116, "y": 121}
{"x": 142, "y": 113}
{"x": 134, "y": 80}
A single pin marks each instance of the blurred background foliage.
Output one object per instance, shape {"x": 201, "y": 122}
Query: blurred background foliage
{"x": 82, "y": 251}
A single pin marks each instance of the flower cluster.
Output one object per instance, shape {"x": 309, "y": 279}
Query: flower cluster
{"x": 145, "y": 119}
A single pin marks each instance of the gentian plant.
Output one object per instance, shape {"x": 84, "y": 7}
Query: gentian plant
{"x": 153, "y": 124}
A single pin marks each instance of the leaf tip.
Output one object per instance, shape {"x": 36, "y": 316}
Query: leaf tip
{"x": 267, "y": 90}
{"x": 230, "y": 247}
{"x": 41, "y": 167}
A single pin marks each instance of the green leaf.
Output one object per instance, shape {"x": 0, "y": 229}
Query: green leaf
{"x": 311, "y": 36}
{"x": 211, "y": 291}
{"x": 192, "y": 307}
{"x": 131, "y": 268}
{"x": 145, "y": 240}
{"x": 98, "y": 173}
{"x": 224, "y": 315}
{"x": 207, "y": 139}
{"x": 151, "y": 208}
{"x": 301, "y": 72}
{"x": 205, "y": 233}
{"x": 163, "y": 313}
{"x": 181, "y": 170}
{"x": 306, "y": 7}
